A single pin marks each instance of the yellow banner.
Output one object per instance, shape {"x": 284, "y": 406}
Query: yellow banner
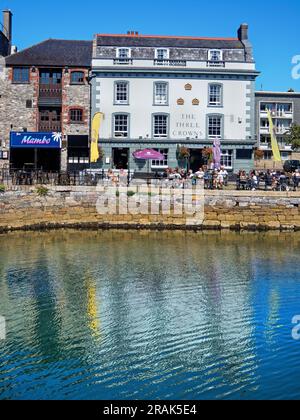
{"x": 275, "y": 147}
{"x": 96, "y": 124}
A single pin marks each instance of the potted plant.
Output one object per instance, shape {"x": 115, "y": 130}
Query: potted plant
{"x": 207, "y": 154}
{"x": 101, "y": 153}
{"x": 183, "y": 153}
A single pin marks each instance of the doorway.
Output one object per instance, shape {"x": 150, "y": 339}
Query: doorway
{"x": 196, "y": 159}
{"x": 120, "y": 158}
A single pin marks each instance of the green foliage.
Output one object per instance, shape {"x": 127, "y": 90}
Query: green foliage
{"x": 293, "y": 137}
{"x": 42, "y": 191}
{"x": 130, "y": 194}
{"x": 2, "y": 188}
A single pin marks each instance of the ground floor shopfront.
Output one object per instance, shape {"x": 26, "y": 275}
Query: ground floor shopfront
{"x": 119, "y": 155}
{"x": 46, "y": 151}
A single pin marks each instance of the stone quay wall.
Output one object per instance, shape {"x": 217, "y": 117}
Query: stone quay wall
{"x": 75, "y": 207}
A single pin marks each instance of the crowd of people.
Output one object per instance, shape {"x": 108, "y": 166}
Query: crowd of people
{"x": 213, "y": 179}
{"x": 271, "y": 179}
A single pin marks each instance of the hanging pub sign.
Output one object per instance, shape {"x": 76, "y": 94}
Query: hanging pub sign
{"x": 35, "y": 140}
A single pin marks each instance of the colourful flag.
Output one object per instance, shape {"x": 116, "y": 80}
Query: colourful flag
{"x": 275, "y": 147}
{"x": 96, "y": 124}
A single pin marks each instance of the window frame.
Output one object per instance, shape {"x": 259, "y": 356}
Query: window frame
{"x": 123, "y": 49}
{"x": 217, "y": 104}
{"x": 117, "y": 114}
{"x": 162, "y": 49}
{"x": 167, "y": 125}
{"x": 229, "y": 155}
{"x": 76, "y": 109}
{"x": 155, "y": 103}
{"x": 156, "y": 164}
{"x": 125, "y": 102}
{"x": 77, "y": 72}
{"x": 21, "y": 81}
{"x": 211, "y": 52}
{"x": 213, "y": 137}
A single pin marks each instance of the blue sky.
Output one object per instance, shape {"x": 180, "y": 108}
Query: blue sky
{"x": 274, "y": 27}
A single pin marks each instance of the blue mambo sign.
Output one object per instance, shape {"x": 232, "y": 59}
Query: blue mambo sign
{"x": 35, "y": 140}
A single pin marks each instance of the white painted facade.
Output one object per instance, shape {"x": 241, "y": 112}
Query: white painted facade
{"x": 188, "y": 106}
{"x": 185, "y": 121}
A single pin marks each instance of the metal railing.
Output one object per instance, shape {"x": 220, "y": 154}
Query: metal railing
{"x": 12, "y": 178}
{"x": 171, "y": 63}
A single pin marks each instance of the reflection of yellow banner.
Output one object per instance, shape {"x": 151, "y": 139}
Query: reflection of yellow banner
{"x": 96, "y": 124}
{"x": 275, "y": 147}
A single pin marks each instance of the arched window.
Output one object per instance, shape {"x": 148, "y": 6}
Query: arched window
{"x": 77, "y": 77}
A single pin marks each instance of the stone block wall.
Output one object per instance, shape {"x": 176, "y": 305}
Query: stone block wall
{"x": 76, "y": 207}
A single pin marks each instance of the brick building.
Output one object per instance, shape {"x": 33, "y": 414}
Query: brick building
{"x": 45, "y": 106}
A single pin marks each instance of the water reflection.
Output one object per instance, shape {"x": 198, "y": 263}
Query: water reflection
{"x": 148, "y": 315}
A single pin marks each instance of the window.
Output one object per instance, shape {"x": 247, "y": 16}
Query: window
{"x": 122, "y": 93}
{"x": 121, "y": 125}
{"x": 285, "y": 155}
{"x": 162, "y": 54}
{"x": 48, "y": 77}
{"x": 268, "y": 155}
{"x": 76, "y": 115}
{"x": 21, "y": 75}
{"x": 215, "y": 95}
{"x": 226, "y": 159}
{"x": 161, "y": 93}
{"x": 28, "y": 103}
{"x": 215, "y": 126}
{"x": 215, "y": 55}
{"x": 161, "y": 163}
{"x": 77, "y": 77}
{"x": 123, "y": 53}
{"x": 160, "y": 126}
{"x": 244, "y": 154}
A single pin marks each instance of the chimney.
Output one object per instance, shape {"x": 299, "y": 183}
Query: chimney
{"x": 7, "y": 24}
{"x": 243, "y": 32}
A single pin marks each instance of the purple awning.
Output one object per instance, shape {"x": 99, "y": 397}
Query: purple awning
{"x": 148, "y": 154}
{"x": 217, "y": 154}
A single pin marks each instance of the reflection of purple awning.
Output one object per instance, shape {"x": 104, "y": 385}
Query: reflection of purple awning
{"x": 148, "y": 154}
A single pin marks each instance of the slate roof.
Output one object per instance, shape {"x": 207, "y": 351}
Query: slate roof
{"x": 54, "y": 53}
{"x": 167, "y": 42}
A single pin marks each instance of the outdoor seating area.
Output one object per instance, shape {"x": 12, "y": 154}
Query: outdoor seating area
{"x": 175, "y": 178}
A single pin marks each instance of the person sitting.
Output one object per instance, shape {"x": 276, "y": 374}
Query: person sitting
{"x": 224, "y": 173}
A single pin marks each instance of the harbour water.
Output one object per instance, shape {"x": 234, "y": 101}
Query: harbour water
{"x": 146, "y": 315}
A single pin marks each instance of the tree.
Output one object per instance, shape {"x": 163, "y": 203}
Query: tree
{"x": 293, "y": 137}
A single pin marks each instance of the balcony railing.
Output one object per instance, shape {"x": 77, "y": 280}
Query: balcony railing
{"x": 123, "y": 61}
{"x": 171, "y": 63}
{"x": 50, "y": 91}
{"x": 215, "y": 64}
{"x": 50, "y": 127}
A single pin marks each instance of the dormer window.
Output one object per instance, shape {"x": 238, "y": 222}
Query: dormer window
{"x": 162, "y": 54}
{"x": 215, "y": 56}
{"x": 123, "y": 53}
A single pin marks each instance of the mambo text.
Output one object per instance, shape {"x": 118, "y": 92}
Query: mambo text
{"x": 32, "y": 140}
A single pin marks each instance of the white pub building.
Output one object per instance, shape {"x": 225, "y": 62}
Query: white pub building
{"x": 170, "y": 92}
